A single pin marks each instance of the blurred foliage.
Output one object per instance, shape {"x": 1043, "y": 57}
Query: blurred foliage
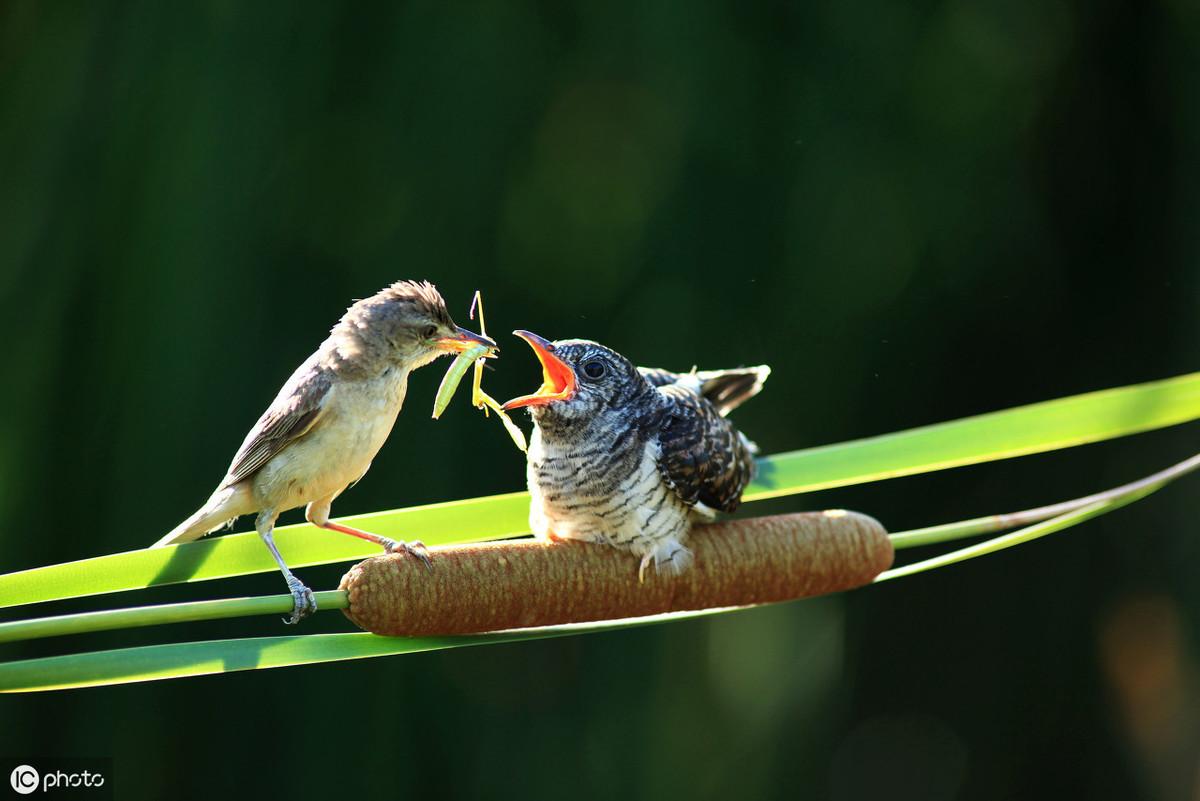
{"x": 913, "y": 212}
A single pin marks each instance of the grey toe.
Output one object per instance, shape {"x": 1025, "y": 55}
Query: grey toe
{"x": 304, "y": 603}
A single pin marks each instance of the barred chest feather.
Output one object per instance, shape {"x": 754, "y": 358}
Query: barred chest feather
{"x": 607, "y": 488}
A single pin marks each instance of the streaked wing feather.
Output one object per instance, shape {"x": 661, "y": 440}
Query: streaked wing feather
{"x": 704, "y": 459}
{"x": 290, "y": 416}
{"x": 724, "y": 389}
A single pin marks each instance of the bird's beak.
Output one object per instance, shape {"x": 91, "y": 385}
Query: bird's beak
{"x": 464, "y": 340}
{"x": 558, "y": 379}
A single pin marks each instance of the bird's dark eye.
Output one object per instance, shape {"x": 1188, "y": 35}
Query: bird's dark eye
{"x": 429, "y": 331}
{"x": 594, "y": 370}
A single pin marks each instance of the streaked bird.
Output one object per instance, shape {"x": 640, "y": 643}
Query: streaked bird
{"x": 631, "y": 456}
{"x": 332, "y": 416}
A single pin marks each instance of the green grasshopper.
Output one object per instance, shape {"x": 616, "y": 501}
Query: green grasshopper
{"x": 479, "y": 398}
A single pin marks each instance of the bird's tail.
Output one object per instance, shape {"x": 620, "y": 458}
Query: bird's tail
{"x": 729, "y": 389}
{"x": 225, "y": 504}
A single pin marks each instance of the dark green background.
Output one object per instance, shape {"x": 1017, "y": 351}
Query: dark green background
{"x": 912, "y": 211}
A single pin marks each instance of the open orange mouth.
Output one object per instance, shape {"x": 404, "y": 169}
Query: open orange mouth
{"x": 558, "y": 379}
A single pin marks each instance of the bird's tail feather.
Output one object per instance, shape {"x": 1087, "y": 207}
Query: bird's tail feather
{"x": 729, "y": 389}
{"x": 225, "y": 504}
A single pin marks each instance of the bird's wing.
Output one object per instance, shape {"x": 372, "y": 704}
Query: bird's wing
{"x": 704, "y": 458}
{"x": 290, "y": 416}
{"x": 724, "y": 389}
{"x": 659, "y": 377}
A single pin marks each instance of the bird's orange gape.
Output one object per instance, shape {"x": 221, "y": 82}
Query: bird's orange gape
{"x": 558, "y": 378}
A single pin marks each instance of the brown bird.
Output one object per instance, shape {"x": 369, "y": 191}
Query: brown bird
{"x": 332, "y": 416}
{"x": 631, "y": 456}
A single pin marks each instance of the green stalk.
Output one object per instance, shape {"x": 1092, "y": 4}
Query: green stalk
{"x": 985, "y": 525}
{"x": 1017, "y": 537}
{"x": 139, "y": 616}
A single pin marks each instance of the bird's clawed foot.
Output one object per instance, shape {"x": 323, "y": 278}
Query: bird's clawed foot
{"x": 646, "y": 560}
{"x": 303, "y": 601}
{"x": 415, "y": 548}
{"x": 670, "y": 558}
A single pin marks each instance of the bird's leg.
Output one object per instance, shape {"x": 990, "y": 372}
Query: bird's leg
{"x": 415, "y": 548}
{"x": 303, "y": 602}
{"x": 317, "y": 513}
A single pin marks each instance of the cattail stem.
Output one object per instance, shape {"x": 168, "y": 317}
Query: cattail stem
{"x": 1037, "y": 530}
{"x": 946, "y": 532}
{"x": 139, "y": 616}
{"x": 494, "y": 586}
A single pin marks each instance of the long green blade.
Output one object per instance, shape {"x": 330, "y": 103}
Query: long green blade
{"x": 180, "y": 660}
{"x": 494, "y": 517}
{"x": 1039, "y": 427}
{"x": 998, "y": 435}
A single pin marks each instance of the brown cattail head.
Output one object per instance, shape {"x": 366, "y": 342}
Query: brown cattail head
{"x": 520, "y": 583}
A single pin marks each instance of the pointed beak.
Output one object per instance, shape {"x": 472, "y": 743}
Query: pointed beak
{"x": 558, "y": 379}
{"x": 464, "y": 340}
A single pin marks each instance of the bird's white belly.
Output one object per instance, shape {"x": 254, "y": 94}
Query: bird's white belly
{"x": 339, "y": 448}
{"x": 638, "y": 512}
